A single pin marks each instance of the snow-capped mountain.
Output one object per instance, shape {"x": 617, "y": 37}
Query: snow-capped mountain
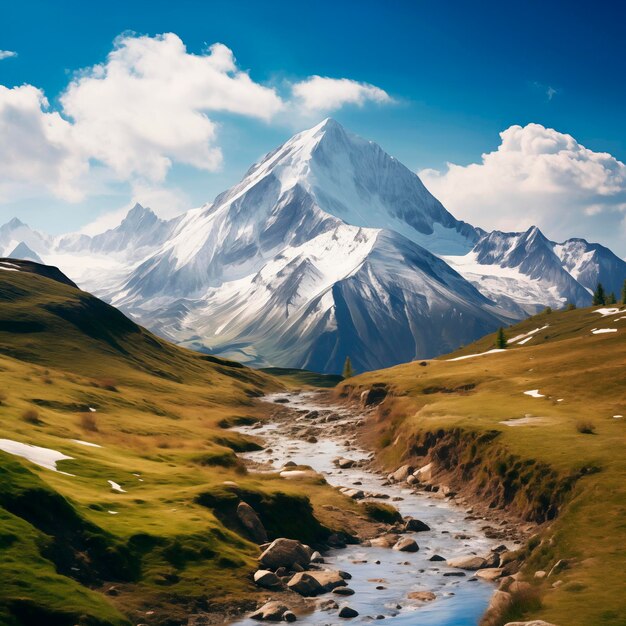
{"x": 15, "y": 232}
{"x": 327, "y": 248}
{"x": 524, "y": 272}
{"x": 289, "y": 268}
{"x": 98, "y": 262}
{"x": 23, "y": 252}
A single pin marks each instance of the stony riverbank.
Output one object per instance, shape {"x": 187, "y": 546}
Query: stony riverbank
{"x": 431, "y": 558}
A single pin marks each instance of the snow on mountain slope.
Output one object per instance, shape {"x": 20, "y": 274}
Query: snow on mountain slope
{"x": 15, "y": 232}
{"x": 592, "y": 263}
{"x": 22, "y": 251}
{"x": 524, "y": 272}
{"x": 97, "y": 263}
{"x": 263, "y": 273}
{"x": 326, "y": 248}
{"x": 366, "y": 293}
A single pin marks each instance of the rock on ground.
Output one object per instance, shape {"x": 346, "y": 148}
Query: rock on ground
{"x": 424, "y": 474}
{"x": 251, "y": 521}
{"x": 402, "y": 473}
{"x": 267, "y": 579}
{"x": 489, "y": 573}
{"x": 284, "y": 553}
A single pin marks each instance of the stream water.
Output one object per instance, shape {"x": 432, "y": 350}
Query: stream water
{"x": 381, "y": 589}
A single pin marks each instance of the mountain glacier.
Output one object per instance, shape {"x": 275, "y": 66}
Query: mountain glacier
{"x": 327, "y": 248}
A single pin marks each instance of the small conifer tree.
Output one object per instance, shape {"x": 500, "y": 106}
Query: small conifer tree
{"x": 500, "y": 339}
{"x": 624, "y": 293}
{"x": 610, "y": 299}
{"x": 348, "y": 372}
{"x": 599, "y": 296}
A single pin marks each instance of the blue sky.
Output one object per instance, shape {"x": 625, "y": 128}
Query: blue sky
{"x": 456, "y": 75}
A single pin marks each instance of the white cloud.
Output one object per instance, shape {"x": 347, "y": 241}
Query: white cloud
{"x": 537, "y": 176}
{"x": 149, "y": 105}
{"x": 37, "y": 148}
{"x": 7, "y": 54}
{"x": 319, "y": 94}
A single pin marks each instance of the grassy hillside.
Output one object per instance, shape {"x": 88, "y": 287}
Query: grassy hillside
{"x": 74, "y": 548}
{"x": 563, "y": 464}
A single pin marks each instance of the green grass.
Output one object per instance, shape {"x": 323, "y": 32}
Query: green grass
{"x": 161, "y": 420}
{"x": 547, "y": 462}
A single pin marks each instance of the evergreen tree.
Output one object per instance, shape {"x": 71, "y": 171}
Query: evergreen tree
{"x": 610, "y": 299}
{"x": 348, "y": 372}
{"x": 571, "y": 306}
{"x": 624, "y": 293}
{"x": 599, "y": 297}
{"x": 500, "y": 339}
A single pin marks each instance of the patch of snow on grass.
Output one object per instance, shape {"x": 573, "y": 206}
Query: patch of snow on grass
{"x": 471, "y": 356}
{"x": 113, "y": 512}
{"x": 521, "y": 421}
{"x": 527, "y": 336}
{"x": 86, "y": 443}
{"x": 601, "y": 331}
{"x": 116, "y": 487}
{"x": 608, "y": 311}
{"x": 44, "y": 457}
{"x": 534, "y": 393}
{"x": 617, "y": 416}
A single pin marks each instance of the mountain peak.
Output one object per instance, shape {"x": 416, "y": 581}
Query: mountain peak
{"x": 534, "y": 235}
{"x": 328, "y": 124}
{"x": 22, "y": 251}
{"x": 139, "y": 214}
{"x": 15, "y": 223}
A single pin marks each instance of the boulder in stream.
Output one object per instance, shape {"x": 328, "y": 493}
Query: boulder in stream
{"x": 406, "y": 544}
{"x": 422, "y": 596}
{"x": 270, "y": 612}
{"x": 285, "y": 553}
{"x": 402, "y": 473}
{"x": 314, "y": 583}
{"x": 347, "y": 612}
{"x": 470, "y": 562}
{"x": 416, "y": 526}
{"x": 267, "y": 579}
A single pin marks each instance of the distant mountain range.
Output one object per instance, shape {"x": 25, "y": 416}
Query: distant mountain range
{"x": 327, "y": 248}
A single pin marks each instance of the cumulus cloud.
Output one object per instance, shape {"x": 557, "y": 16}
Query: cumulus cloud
{"x": 149, "y": 105}
{"x": 538, "y": 176}
{"x": 37, "y": 148}
{"x": 7, "y": 54}
{"x": 319, "y": 94}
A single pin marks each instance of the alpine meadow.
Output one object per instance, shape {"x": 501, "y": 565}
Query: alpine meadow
{"x": 312, "y": 313}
